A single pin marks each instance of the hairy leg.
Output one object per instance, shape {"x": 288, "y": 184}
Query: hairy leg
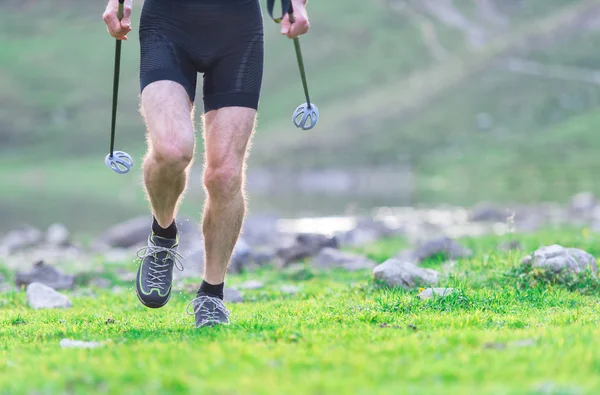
{"x": 227, "y": 134}
{"x": 168, "y": 114}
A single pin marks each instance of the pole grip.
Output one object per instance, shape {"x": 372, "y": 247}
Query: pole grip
{"x": 291, "y": 13}
{"x": 120, "y": 11}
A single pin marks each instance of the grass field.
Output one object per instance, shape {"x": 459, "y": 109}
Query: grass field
{"x": 340, "y": 334}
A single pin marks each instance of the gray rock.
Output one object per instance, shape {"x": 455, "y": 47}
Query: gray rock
{"x": 263, "y": 256}
{"x": 252, "y": 284}
{"x": 68, "y": 343}
{"x": 41, "y": 296}
{"x": 232, "y": 295}
{"x": 289, "y": 289}
{"x": 127, "y": 234}
{"x": 334, "y": 258}
{"x": 23, "y": 237}
{"x": 366, "y": 231}
{"x": 306, "y": 246}
{"x": 487, "y": 212}
{"x": 407, "y": 275}
{"x": 445, "y": 246}
{"x": 557, "y": 258}
{"x": 429, "y": 292}
{"x": 45, "y": 274}
{"x": 241, "y": 256}
{"x": 359, "y": 237}
{"x": 58, "y": 235}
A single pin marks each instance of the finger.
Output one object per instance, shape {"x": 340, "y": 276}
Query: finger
{"x": 113, "y": 24}
{"x": 285, "y": 25}
{"x": 126, "y": 21}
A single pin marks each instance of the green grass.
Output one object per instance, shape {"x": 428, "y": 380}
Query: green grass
{"x": 341, "y": 333}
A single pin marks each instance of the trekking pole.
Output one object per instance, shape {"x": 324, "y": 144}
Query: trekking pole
{"x": 306, "y": 115}
{"x": 118, "y": 161}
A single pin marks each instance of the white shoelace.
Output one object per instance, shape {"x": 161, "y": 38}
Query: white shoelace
{"x": 157, "y": 272}
{"x": 209, "y": 316}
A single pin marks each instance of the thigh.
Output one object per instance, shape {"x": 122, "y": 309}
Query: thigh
{"x": 162, "y": 56}
{"x": 227, "y": 134}
{"x": 234, "y": 77}
{"x": 168, "y": 113}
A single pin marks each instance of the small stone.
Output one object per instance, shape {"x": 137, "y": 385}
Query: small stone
{"x": 487, "y": 212}
{"x": 68, "y": 343}
{"x": 132, "y": 232}
{"x": 263, "y": 256}
{"x": 429, "y": 292}
{"x": 57, "y": 235}
{"x": 251, "y": 284}
{"x": 444, "y": 246}
{"x": 407, "y": 275}
{"x": 45, "y": 274}
{"x": 334, "y": 258}
{"x": 41, "y": 296}
{"x": 241, "y": 256}
{"x": 557, "y": 258}
{"x": 289, "y": 289}
{"x": 232, "y": 295}
{"x": 306, "y": 245}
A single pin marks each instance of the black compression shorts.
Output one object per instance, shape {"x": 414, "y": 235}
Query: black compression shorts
{"x": 223, "y": 39}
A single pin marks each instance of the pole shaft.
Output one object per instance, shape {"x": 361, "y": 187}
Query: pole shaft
{"x": 116, "y": 83}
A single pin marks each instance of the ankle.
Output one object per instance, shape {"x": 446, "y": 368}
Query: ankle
{"x": 215, "y": 290}
{"x": 169, "y": 232}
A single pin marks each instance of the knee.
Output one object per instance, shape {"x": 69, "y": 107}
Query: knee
{"x": 173, "y": 155}
{"x": 223, "y": 182}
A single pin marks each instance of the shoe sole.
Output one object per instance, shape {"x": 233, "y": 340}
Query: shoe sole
{"x": 152, "y": 305}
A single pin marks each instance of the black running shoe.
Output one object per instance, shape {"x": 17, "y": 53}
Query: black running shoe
{"x": 208, "y": 310}
{"x": 155, "y": 273}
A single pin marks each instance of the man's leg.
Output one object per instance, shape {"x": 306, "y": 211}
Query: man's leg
{"x": 168, "y": 113}
{"x": 227, "y": 138}
{"x": 227, "y": 134}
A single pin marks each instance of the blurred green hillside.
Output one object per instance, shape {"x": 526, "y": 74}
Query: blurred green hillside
{"x": 481, "y": 100}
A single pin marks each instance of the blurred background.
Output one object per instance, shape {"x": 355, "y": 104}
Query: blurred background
{"x": 422, "y": 102}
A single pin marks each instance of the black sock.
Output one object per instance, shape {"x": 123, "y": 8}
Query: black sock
{"x": 168, "y": 233}
{"x": 212, "y": 290}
